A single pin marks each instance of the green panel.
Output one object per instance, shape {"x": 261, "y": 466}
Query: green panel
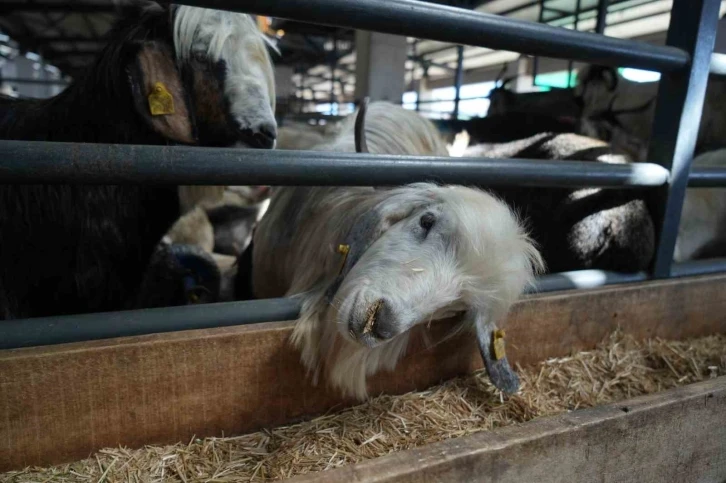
{"x": 556, "y": 79}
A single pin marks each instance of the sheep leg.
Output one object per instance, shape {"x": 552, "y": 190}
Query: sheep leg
{"x": 500, "y": 372}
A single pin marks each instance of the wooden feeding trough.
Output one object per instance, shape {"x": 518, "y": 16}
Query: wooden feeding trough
{"x": 61, "y": 403}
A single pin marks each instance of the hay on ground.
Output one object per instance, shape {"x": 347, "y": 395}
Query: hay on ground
{"x": 618, "y": 369}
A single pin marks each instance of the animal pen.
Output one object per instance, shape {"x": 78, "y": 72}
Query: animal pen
{"x": 74, "y": 384}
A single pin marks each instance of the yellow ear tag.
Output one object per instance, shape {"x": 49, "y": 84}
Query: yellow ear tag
{"x": 160, "y": 100}
{"x": 498, "y": 344}
{"x": 343, "y": 250}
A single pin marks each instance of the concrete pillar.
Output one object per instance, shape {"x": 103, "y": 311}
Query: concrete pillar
{"x": 523, "y": 83}
{"x": 380, "y": 66}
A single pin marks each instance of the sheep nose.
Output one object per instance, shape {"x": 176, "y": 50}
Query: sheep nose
{"x": 261, "y": 137}
{"x": 384, "y": 321}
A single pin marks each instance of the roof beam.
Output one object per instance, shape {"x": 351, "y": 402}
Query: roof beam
{"x": 60, "y": 38}
{"x": 14, "y": 6}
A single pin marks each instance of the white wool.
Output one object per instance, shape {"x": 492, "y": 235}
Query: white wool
{"x": 478, "y": 259}
{"x": 235, "y": 39}
{"x": 391, "y": 129}
{"x": 461, "y": 143}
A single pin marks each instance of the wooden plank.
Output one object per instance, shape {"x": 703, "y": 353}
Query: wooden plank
{"x": 60, "y": 403}
{"x": 675, "y": 436}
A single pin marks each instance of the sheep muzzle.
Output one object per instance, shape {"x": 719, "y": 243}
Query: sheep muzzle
{"x": 372, "y": 316}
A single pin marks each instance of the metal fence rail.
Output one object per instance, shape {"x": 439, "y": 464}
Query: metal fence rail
{"x": 685, "y": 62}
{"x": 75, "y": 328}
{"x": 80, "y": 163}
{"x": 460, "y": 26}
{"x": 24, "y": 162}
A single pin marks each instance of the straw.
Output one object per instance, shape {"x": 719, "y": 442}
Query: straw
{"x": 618, "y": 369}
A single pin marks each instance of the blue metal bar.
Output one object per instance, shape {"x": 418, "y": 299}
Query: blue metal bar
{"x": 108, "y": 325}
{"x": 76, "y": 328}
{"x": 81, "y": 163}
{"x": 704, "y": 177}
{"x": 602, "y": 16}
{"x": 678, "y": 116}
{"x": 432, "y": 21}
{"x": 584, "y": 279}
{"x": 458, "y": 79}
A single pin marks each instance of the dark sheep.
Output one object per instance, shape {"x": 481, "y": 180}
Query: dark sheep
{"x": 582, "y": 228}
{"x": 73, "y": 249}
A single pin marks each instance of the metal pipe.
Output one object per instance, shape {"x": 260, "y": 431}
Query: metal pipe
{"x": 535, "y": 61}
{"x": 428, "y": 20}
{"x": 24, "y": 162}
{"x": 52, "y": 82}
{"x": 423, "y": 61}
{"x": 458, "y": 80}
{"x": 434, "y": 101}
{"x": 584, "y": 279}
{"x": 699, "y": 267}
{"x": 76, "y": 328}
{"x": 574, "y": 27}
{"x": 707, "y": 178}
{"x": 602, "y": 17}
{"x": 678, "y": 116}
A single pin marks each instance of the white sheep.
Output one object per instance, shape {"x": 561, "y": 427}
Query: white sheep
{"x": 368, "y": 264}
{"x": 299, "y": 136}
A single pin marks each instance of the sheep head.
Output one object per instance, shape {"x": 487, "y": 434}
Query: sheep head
{"x": 201, "y": 76}
{"x": 422, "y": 253}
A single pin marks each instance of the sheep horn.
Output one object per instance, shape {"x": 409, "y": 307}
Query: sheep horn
{"x": 361, "y": 146}
{"x": 499, "y": 370}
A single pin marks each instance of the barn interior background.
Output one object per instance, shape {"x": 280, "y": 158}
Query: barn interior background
{"x": 321, "y": 73}
{"x": 322, "y": 70}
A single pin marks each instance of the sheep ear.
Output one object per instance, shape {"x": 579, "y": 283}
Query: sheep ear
{"x": 158, "y": 93}
{"x": 491, "y": 347}
{"x": 368, "y": 228}
{"x": 233, "y": 227}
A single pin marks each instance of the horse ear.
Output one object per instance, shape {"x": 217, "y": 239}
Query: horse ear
{"x": 158, "y": 93}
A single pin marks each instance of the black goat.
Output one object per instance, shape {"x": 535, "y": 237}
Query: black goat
{"x": 173, "y": 74}
{"x": 582, "y": 228}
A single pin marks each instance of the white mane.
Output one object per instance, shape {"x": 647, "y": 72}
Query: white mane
{"x": 229, "y": 26}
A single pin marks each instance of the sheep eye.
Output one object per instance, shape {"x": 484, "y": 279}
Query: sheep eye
{"x": 426, "y": 221}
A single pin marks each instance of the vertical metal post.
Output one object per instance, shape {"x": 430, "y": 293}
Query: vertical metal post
{"x": 678, "y": 116}
{"x": 576, "y": 22}
{"x": 535, "y": 63}
{"x": 333, "y": 63}
{"x": 459, "y": 79}
{"x": 602, "y": 16}
{"x": 424, "y": 73}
